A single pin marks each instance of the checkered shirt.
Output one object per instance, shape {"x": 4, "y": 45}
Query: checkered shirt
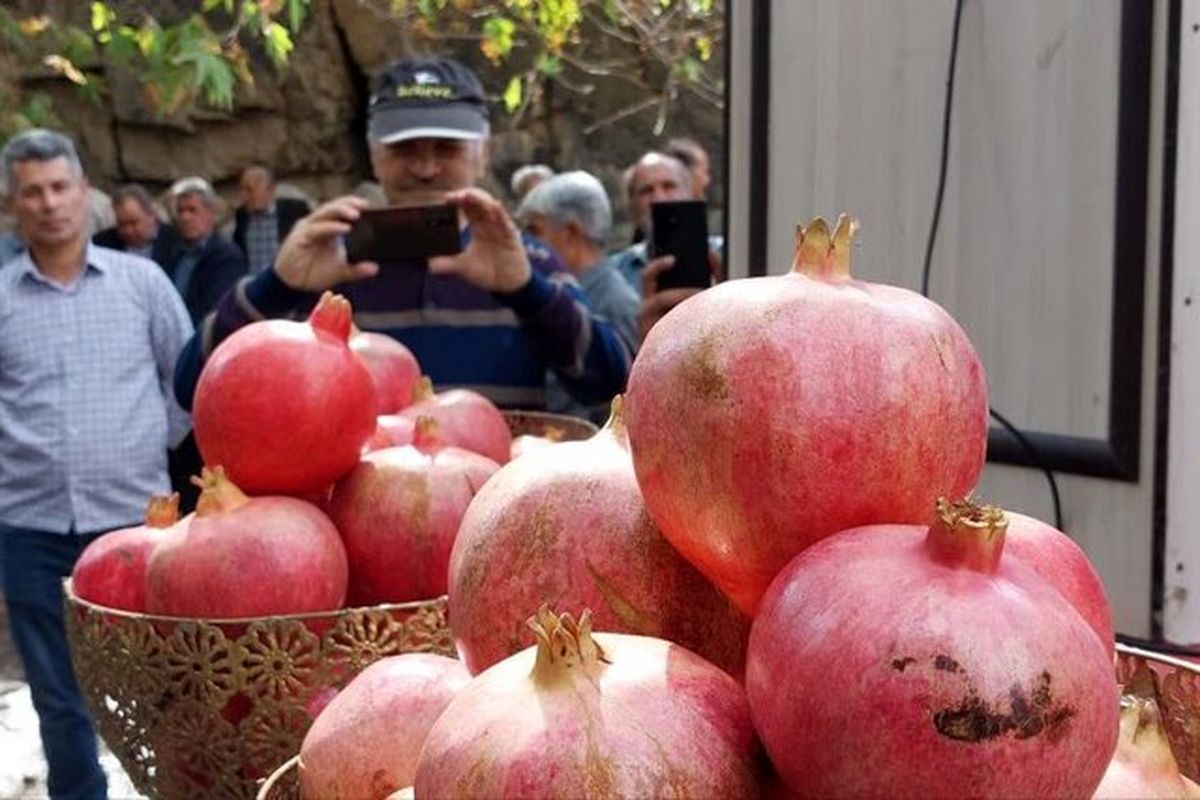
{"x": 86, "y": 409}
{"x": 262, "y": 239}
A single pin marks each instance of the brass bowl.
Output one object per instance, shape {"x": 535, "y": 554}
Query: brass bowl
{"x": 208, "y": 708}
{"x": 559, "y": 427}
{"x": 1174, "y": 684}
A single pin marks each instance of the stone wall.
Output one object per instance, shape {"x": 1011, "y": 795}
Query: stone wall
{"x": 308, "y": 123}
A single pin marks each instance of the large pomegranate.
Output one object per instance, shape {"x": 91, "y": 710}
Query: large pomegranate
{"x": 942, "y": 669}
{"x": 593, "y": 715}
{"x": 1143, "y": 765}
{"x": 467, "y": 419}
{"x": 285, "y": 407}
{"x": 247, "y": 557}
{"x": 111, "y": 571}
{"x": 399, "y": 512}
{"x": 365, "y": 744}
{"x": 1060, "y": 562}
{"x": 758, "y": 410}
{"x": 567, "y": 526}
{"x": 393, "y": 369}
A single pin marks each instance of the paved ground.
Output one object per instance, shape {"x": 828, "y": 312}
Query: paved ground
{"x": 22, "y": 767}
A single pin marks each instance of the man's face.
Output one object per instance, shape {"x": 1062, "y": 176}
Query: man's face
{"x": 654, "y": 181}
{"x": 49, "y": 202}
{"x": 135, "y": 225}
{"x": 562, "y": 238}
{"x": 701, "y": 176}
{"x": 193, "y": 217}
{"x": 256, "y": 191}
{"x": 422, "y": 171}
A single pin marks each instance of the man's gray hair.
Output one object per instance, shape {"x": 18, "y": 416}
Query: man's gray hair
{"x": 539, "y": 171}
{"x": 135, "y": 192}
{"x": 681, "y": 169}
{"x": 193, "y": 184}
{"x": 38, "y": 144}
{"x": 571, "y": 197}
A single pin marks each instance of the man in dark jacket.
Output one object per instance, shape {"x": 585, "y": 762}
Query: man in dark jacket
{"x": 207, "y": 264}
{"x": 138, "y": 229}
{"x": 263, "y": 220}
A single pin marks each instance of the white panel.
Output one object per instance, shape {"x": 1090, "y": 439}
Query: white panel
{"x": 1181, "y": 610}
{"x": 738, "y": 31}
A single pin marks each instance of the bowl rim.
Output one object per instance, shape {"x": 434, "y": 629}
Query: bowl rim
{"x": 277, "y": 775}
{"x": 412, "y": 605}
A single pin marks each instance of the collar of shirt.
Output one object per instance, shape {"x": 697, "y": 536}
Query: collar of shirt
{"x": 593, "y": 275}
{"x": 94, "y": 259}
{"x": 269, "y": 211}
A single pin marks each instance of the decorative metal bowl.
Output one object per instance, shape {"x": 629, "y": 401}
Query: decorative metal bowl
{"x": 553, "y": 426}
{"x": 208, "y": 708}
{"x": 1174, "y": 684}
{"x": 284, "y": 783}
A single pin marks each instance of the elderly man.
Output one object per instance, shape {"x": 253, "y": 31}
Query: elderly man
{"x": 88, "y": 342}
{"x": 494, "y": 317}
{"x": 138, "y": 229}
{"x": 694, "y": 157}
{"x": 571, "y": 213}
{"x": 263, "y": 220}
{"x": 207, "y": 264}
{"x": 654, "y": 178}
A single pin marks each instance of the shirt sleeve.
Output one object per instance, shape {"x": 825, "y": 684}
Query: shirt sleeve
{"x": 253, "y": 298}
{"x": 170, "y": 328}
{"x": 586, "y": 354}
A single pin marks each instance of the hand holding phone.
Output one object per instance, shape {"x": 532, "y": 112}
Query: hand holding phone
{"x": 680, "y": 229}
{"x": 403, "y": 234}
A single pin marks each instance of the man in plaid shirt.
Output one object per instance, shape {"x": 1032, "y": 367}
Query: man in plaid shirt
{"x": 88, "y": 342}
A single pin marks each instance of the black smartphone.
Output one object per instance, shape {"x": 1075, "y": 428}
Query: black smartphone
{"x": 680, "y": 228}
{"x": 403, "y": 233}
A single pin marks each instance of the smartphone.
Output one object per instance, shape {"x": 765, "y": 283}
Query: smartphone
{"x": 403, "y": 233}
{"x": 680, "y": 228}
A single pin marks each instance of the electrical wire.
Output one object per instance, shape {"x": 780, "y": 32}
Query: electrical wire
{"x": 1034, "y": 456}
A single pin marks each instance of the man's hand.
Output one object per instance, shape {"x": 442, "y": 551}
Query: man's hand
{"x": 656, "y": 304}
{"x": 312, "y": 257}
{"x": 495, "y": 259}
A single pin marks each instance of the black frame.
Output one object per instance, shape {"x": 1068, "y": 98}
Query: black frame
{"x": 1118, "y": 455}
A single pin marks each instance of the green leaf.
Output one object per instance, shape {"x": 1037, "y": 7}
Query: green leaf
{"x": 548, "y": 65}
{"x": 296, "y": 11}
{"x": 215, "y": 78}
{"x": 513, "y": 94}
{"x": 149, "y": 38}
{"x": 210, "y": 5}
{"x": 102, "y": 17}
{"x": 498, "y": 37}
{"x": 278, "y": 43}
{"x": 122, "y": 47}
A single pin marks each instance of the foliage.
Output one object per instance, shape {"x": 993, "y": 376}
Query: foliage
{"x": 178, "y": 63}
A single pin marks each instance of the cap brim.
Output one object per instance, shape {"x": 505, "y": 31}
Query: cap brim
{"x": 390, "y": 125}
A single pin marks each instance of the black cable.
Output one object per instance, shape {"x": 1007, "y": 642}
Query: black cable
{"x": 934, "y": 224}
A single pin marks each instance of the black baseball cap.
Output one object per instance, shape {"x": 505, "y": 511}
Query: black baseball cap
{"x": 433, "y": 96}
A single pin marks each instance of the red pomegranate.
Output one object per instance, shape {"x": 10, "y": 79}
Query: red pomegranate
{"x": 758, "y": 410}
{"x": 393, "y": 369}
{"x": 593, "y": 715}
{"x": 944, "y": 669}
{"x": 111, "y": 571}
{"x": 1062, "y": 563}
{"x": 1143, "y": 765}
{"x": 391, "y": 430}
{"x": 366, "y": 742}
{"x": 399, "y": 512}
{"x": 567, "y": 526}
{"x": 527, "y": 443}
{"x": 285, "y": 407}
{"x": 247, "y": 557}
{"x": 467, "y": 419}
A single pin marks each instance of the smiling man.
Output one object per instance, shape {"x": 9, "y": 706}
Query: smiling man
{"x": 88, "y": 342}
{"x": 494, "y": 318}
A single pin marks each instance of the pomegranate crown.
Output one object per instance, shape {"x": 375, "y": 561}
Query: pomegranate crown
{"x": 218, "y": 494}
{"x": 822, "y": 254}
{"x": 564, "y": 647}
{"x": 333, "y": 315}
{"x": 162, "y": 511}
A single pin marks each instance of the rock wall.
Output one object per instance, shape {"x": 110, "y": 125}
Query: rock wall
{"x": 308, "y": 123}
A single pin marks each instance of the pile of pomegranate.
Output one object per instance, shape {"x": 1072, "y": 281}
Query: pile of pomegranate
{"x": 764, "y": 576}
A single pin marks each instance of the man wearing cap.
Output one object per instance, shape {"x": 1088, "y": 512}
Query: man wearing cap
{"x": 492, "y": 318}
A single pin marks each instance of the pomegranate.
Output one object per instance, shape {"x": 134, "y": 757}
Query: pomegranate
{"x": 759, "y": 408}
{"x": 467, "y": 420}
{"x": 285, "y": 407}
{"x": 247, "y": 557}
{"x": 593, "y": 715}
{"x": 366, "y": 742}
{"x": 944, "y": 669}
{"x": 1062, "y": 563}
{"x": 567, "y": 525}
{"x": 399, "y": 512}
{"x": 393, "y": 369}
{"x": 391, "y": 431}
{"x": 111, "y": 571}
{"x": 1143, "y": 765}
{"x": 527, "y": 443}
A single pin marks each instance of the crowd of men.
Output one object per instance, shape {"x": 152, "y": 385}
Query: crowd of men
{"x": 103, "y": 337}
